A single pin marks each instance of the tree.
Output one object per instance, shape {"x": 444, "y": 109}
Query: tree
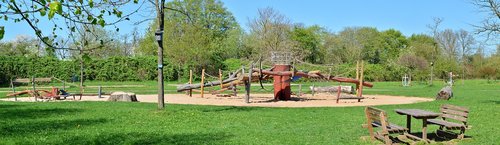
{"x": 465, "y": 41}
{"x": 308, "y": 40}
{"x": 65, "y": 15}
{"x": 423, "y": 46}
{"x": 270, "y": 31}
{"x": 201, "y": 33}
{"x": 491, "y": 24}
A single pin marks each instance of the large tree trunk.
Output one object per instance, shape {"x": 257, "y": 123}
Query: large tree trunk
{"x": 333, "y": 89}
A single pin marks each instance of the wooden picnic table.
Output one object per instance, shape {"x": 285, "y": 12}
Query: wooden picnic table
{"x": 418, "y": 114}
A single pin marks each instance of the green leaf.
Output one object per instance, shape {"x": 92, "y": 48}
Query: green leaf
{"x": 78, "y": 11}
{"x": 42, "y": 12}
{"x": 2, "y": 31}
{"x": 91, "y": 3}
{"x": 55, "y": 7}
{"x": 136, "y": 1}
{"x": 86, "y": 58}
{"x": 102, "y": 22}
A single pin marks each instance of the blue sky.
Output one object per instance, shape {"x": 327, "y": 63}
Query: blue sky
{"x": 407, "y": 16}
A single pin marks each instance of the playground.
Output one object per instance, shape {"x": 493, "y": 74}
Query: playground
{"x": 262, "y": 100}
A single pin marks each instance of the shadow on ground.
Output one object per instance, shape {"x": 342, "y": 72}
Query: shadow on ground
{"x": 10, "y": 112}
{"x": 150, "y": 138}
{"x": 32, "y": 126}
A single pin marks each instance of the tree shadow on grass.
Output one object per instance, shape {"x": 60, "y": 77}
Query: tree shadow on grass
{"x": 15, "y": 114}
{"x": 151, "y": 138}
{"x": 8, "y": 106}
{"x": 30, "y": 127}
{"x": 229, "y": 109}
{"x": 492, "y": 101}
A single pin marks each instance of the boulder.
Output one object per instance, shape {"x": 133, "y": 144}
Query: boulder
{"x": 123, "y": 97}
{"x": 444, "y": 94}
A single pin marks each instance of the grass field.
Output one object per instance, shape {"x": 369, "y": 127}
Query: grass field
{"x": 142, "y": 123}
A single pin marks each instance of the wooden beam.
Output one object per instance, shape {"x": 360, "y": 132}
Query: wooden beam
{"x": 202, "y": 81}
{"x": 314, "y": 74}
{"x": 220, "y": 78}
{"x": 190, "y": 82}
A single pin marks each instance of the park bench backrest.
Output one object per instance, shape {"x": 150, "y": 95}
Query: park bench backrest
{"x": 376, "y": 115}
{"x": 453, "y": 112}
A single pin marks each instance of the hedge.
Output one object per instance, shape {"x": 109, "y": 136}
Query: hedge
{"x": 110, "y": 69}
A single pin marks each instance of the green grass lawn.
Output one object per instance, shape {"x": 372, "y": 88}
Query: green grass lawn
{"x": 142, "y": 123}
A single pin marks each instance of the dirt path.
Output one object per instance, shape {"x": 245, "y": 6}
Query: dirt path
{"x": 266, "y": 100}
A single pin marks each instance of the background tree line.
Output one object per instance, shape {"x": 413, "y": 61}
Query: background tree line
{"x": 204, "y": 34}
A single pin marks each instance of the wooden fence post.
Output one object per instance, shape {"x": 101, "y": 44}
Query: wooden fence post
{"x": 202, "y": 81}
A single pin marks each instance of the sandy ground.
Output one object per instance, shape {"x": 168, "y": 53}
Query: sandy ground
{"x": 264, "y": 100}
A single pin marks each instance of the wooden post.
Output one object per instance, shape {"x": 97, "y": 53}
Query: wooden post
{"x": 99, "y": 91}
{"x": 220, "y": 79}
{"x": 12, "y": 85}
{"x": 34, "y": 89}
{"x": 408, "y": 122}
{"x": 248, "y": 84}
{"x": 357, "y": 76}
{"x": 202, "y": 81}
{"x": 300, "y": 90}
{"x": 312, "y": 91}
{"x": 360, "y": 91}
{"x": 190, "y": 82}
{"x": 13, "y": 89}
{"x": 357, "y": 70}
{"x": 338, "y": 92}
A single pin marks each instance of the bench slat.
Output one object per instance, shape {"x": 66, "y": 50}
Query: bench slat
{"x": 453, "y": 107}
{"x": 445, "y": 123}
{"x": 459, "y": 118}
{"x": 454, "y": 112}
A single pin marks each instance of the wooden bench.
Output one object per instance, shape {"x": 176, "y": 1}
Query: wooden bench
{"x": 378, "y": 118}
{"x": 453, "y": 118}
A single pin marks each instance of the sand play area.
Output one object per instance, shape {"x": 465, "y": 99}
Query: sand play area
{"x": 262, "y": 100}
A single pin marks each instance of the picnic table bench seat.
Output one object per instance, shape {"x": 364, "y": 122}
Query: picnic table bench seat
{"x": 448, "y": 125}
{"x": 391, "y": 127}
{"x": 377, "y": 118}
{"x": 452, "y": 118}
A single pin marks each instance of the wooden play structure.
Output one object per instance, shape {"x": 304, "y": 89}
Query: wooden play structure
{"x": 282, "y": 73}
{"x": 52, "y": 94}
